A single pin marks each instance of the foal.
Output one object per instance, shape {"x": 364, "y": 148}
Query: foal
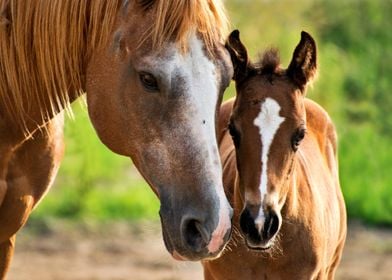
{"x": 281, "y": 174}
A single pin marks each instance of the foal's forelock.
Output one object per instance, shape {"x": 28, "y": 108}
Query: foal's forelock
{"x": 268, "y": 122}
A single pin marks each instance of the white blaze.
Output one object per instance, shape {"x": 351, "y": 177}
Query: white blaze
{"x": 201, "y": 81}
{"x": 268, "y": 121}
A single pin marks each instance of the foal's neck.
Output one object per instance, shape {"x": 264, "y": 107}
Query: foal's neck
{"x": 292, "y": 206}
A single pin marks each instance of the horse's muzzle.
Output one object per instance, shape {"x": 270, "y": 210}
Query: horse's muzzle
{"x": 196, "y": 234}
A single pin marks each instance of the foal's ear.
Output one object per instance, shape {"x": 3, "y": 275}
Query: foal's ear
{"x": 303, "y": 65}
{"x": 239, "y": 55}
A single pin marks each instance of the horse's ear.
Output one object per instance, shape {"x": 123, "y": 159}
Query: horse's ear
{"x": 239, "y": 55}
{"x": 303, "y": 65}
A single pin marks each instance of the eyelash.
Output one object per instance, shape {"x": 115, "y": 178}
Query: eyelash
{"x": 148, "y": 81}
{"x": 297, "y": 137}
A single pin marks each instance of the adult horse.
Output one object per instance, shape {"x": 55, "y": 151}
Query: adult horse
{"x": 281, "y": 173}
{"x": 154, "y": 72}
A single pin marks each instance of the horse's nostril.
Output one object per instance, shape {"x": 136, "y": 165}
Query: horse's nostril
{"x": 271, "y": 226}
{"x": 195, "y": 235}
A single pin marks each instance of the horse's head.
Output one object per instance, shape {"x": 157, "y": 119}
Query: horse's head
{"x": 155, "y": 99}
{"x": 267, "y": 126}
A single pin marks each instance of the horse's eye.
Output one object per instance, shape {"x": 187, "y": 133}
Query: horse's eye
{"x": 234, "y": 134}
{"x": 298, "y": 136}
{"x": 148, "y": 81}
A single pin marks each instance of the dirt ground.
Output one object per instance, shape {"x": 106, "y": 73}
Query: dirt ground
{"x": 120, "y": 251}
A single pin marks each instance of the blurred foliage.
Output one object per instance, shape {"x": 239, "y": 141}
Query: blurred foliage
{"x": 354, "y": 41}
{"x": 361, "y": 31}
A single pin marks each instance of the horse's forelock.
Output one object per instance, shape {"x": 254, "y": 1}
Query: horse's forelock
{"x": 178, "y": 19}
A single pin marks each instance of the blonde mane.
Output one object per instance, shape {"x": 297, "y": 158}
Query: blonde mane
{"x": 179, "y": 18}
{"x": 45, "y": 45}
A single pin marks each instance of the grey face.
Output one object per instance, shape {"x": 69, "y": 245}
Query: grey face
{"x": 160, "y": 110}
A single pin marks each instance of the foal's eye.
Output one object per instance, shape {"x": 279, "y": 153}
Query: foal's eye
{"x": 148, "y": 81}
{"x": 234, "y": 135}
{"x": 298, "y": 136}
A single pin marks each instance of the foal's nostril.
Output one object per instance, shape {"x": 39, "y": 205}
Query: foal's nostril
{"x": 247, "y": 225}
{"x": 271, "y": 226}
{"x": 195, "y": 235}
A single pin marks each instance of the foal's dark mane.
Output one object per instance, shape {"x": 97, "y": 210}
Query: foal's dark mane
{"x": 267, "y": 65}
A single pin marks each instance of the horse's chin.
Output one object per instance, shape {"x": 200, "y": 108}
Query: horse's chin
{"x": 178, "y": 257}
{"x": 261, "y": 246}
{"x": 215, "y": 256}
{"x": 189, "y": 256}
{"x": 168, "y": 243}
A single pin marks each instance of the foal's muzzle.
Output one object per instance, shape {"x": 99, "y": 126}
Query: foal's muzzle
{"x": 259, "y": 235}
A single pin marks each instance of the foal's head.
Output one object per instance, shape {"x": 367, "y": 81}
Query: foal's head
{"x": 267, "y": 126}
